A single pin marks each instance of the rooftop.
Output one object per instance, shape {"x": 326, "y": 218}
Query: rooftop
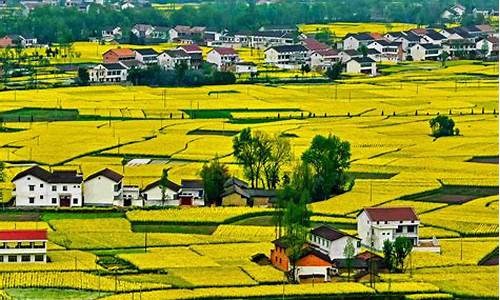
{"x": 23, "y": 235}
{"x": 391, "y": 214}
{"x": 108, "y": 173}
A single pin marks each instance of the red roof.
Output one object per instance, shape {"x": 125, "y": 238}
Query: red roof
{"x": 23, "y": 235}
{"x": 391, "y": 213}
{"x": 419, "y": 31}
{"x": 225, "y": 51}
{"x": 122, "y": 52}
{"x": 190, "y": 48}
{"x": 313, "y": 44}
{"x": 376, "y": 35}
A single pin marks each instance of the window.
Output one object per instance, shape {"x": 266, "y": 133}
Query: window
{"x": 54, "y": 188}
{"x": 358, "y": 244}
{"x": 386, "y": 222}
{"x": 54, "y": 200}
{"x": 38, "y": 257}
{"x": 1, "y": 258}
{"x": 29, "y": 178}
{"x": 75, "y": 200}
{"x": 411, "y": 229}
{"x": 41, "y": 197}
{"x": 12, "y": 258}
{"x": 65, "y": 188}
{"x": 41, "y": 185}
{"x": 399, "y": 229}
{"x": 32, "y": 200}
{"x": 31, "y": 187}
{"x": 25, "y": 258}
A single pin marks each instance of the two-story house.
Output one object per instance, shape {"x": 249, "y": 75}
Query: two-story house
{"x": 108, "y": 73}
{"x": 195, "y": 52}
{"x": 287, "y": 56}
{"x": 353, "y": 41}
{"x": 111, "y": 33}
{"x": 361, "y": 65}
{"x": 192, "y": 192}
{"x": 152, "y": 194}
{"x": 169, "y": 59}
{"x": 23, "y": 246}
{"x": 391, "y": 51}
{"x": 377, "y": 224}
{"x": 118, "y": 55}
{"x": 38, "y": 187}
{"x": 104, "y": 188}
{"x": 147, "y": 56}
{"x": 223, "y": 58}
{"x": 426, "y": 52}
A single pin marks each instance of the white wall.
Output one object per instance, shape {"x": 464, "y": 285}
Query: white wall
{"x": 337, "y": 247}
{"x": 43, "y": 193}
{"x": 153, "y": 197}
{"x": 351, "y": 43}
{"x": 214, "y": 58}
{"x": 417, "y": 53}
{"x": 100, "y": 191}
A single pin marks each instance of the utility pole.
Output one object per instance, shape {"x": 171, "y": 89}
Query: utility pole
{"x": 371, "y": 191}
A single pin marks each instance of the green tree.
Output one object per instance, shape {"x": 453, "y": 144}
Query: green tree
{"x": 329, "y": 158}
{"x": 402, "y": 248}
{"x": 349, "y": 252}
{"x": 388, "y": 249}
{"x": 164, "y": 185}
{"x": 334, "y": 71}
{"x": 364, "y": 50}
{"x": 324, "y": 36}
{"x": 442, "y": 126}
{"x": 279, "y": 155}
{"x": 214, "y": 176}
{"x": 83, "y": 76}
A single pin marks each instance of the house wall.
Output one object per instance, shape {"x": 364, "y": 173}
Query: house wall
{"x": 279, "y": 258}
{"x": 350, "y": 43}
{"x": 260, "y": 201}
{"x": 240, "y": 69}
{"x": 110, "y": 57}
{"x": 214, "y": 58}
{"x": 100, "y": 191}
{"x": 417, "y": 53}
{"x": 43, "y": 194}
{"x": 337, "y": 247}
{"x": 234, "y": 199}
{"x": 153, "y": 197}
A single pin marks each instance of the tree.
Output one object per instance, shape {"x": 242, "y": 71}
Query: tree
{"x": 402, "y": 247}
{"x": 83, "y": 76}
{"x": 349, "y": 252}
{"x": 214, "y": 176}
{"x": 164, "y": 185}
{"x": 280, "y": 154}
{"x": 334, "y": 71}
{"x": 444, "y": 57}
{"x": 305, "y": 68}
{"x": 324, "y": 36}
{"x": 364, "y": 50}
{"x": 388, "y": 254}
{"x": 442, "y": 126}
{"x": 329, "y": 159}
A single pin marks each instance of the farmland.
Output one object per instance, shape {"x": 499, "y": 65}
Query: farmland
{"x": 206, "y": 252}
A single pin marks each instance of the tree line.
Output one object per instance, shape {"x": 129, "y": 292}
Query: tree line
{"x": 58, "y": 24}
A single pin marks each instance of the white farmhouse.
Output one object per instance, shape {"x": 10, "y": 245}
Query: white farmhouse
{"x": 243, "y": 67}
{"x": 323, "y": 59}
{"x": 223, "y": 58}
{"x": 23, "y": 246}
{"x": 153, "y": 197}
{"x": 363, "y": 65}
{"x": 36, "y": 187}
{"x": 147, "y": 56}
{"x": 425, "y": 52}
{"x": 111, "y": 33}
{"x": 347, "y": 55}
{"x": 192, "y": 192}
{"x": 353, "y": 41}
{"x": 434, "y": 37}
{"x": 390, "y": 51}
{"x": 103, "y": 188}
{"x": 108, "y": 73}
{"x": 377, "y": 224}
{"x": 287, "y": 56}
{"x": 332, "y": 242}
{"x": 488, "y": 46}
{"x": 169, "y": 59}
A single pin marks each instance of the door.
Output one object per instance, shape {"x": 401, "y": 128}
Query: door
{"x": 127, "y": 202}
{"x": 186, "y": 200}
{"x": 64, "y": 201}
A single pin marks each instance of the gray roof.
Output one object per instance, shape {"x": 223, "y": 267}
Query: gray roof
{"x": 289, "y": 48}
{"x": 114, "y": 66}
{"x": 364, "y": 59}
{"x": 63, "y": 176}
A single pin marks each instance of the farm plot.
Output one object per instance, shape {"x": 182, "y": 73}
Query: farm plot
{"x": 59, "y": 260}
{"x": 232, "y": 253}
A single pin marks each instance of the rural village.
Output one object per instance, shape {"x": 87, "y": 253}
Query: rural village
{"x": 248, "y": 149}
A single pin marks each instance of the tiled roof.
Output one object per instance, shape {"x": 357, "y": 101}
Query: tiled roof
{"x": 108, "y": 174}
{"x": 192, "y": 183}
{"x": 176, "y": 53}
{"x": 190, "y": 48}
{"x": 170, "y": 185}
{"x": 147, "y": 51}
{"x": 329, "y": 233}
{"x": 114, "y": 66}
{"x": 122, "y": 52}
{"x": 23, "y": 235}
{"x": 289, "y": 48}
{"x": 35, "y": 171}
{"x": 225, "y": 51}
{"x": 391, "y": 214}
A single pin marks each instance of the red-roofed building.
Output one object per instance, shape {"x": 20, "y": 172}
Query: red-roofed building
{"x": 377, "y": 224}
{"x": 313, "y": 44}
{"x": 377, "y": 36}
{"x": 195, "y": 52}
{"x": 223, "y": 58}
{"x": 117, "y": 55}
{"x": 23, "y": 246}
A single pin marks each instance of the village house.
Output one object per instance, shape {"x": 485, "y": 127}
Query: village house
{"x": 487, "y": 46}
{"x": 152, "y": 194}
{"x": 111, "y": 33}
{"x": 460, "y": 48}
{"x": 377, "y": 224}
{"x": 325, "y": 247}
{"x": 245, "y": 67}
{"x": 238, "y": 193}
{"x": 406, "y": 38}
{"x": 457, "y": 33}
{"x": 390, "y": 51}
{"x": 322, "y": 59}
{"x": 433, "y": 37}
{"x": 13, "y": 40}
{"x": 147, "y": 56}
{"x": 118, "y": 55}
{"x": 192, "y": 193}
{"x": 104, "y": 188}
{"x": 263, "y": 39}
{"x": 186, "y": 34}
{"x": 132, "y": 194}
{"x": 143, "y": 31}
{"x": 286, "y": 56}
{"x": 421, "y": 52}
{"x": 347, "y": 55}
{"x": 36, "y": 187}
{"x": 312, "y": 44}
{"x": 23, "y": 246}
{"x": 353, "y": 41}
{"x": 364, "y": 65}
{"x": 169, "y": 59}
{"x": 453, "y": 13}
{"x": 108, "y": 73}
{"x": 196, "y": 54}
{"x": 223, "y": 58}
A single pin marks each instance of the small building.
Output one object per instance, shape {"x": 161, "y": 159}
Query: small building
{"x": 238, "y": 193}
{"x": 132, "y": 195}
{"x": 488, "y": 46}
{"x": 421, "y": 52}
{"x": 245, "y": 67}
{"x": 434, "y": 37}
{"x": 142, "y": 31}
{"x": 118, "y": 55}
{"x": 186, "y": 33}
{"x": 353, "y": 41}
{"x": 322, "y": 59}
{"x": 108, "y": 73}
{"x": 152, "y": 194}
{"x": 347, "y": 55}
{"x": 36, "y": 187}
{"x": 332, "y": 241}
{"x": 263, "y": 39}
{"x": 377, "y": 224}
{"x": 195, "y": 52}
{"x": 287, "y": 56}
{"x": 223, "y": 58}
{"x": 147, "y": 56}
{"x": 192, "y": 192}
{"x": 362, "y": 65}
{"x": 104, "y": 188}
{"x": 460, "y": 48}
{"x": 23, "y": 246}
{"x": 169, "y": 59}
{"x": 111, "y": 33}
{"x": 389, "y": 51}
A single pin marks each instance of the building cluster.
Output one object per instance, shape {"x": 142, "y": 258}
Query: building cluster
{"x": 27, "y": 6}
{"x": 324, "y": 257}
{"x": 37, "y": 187}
